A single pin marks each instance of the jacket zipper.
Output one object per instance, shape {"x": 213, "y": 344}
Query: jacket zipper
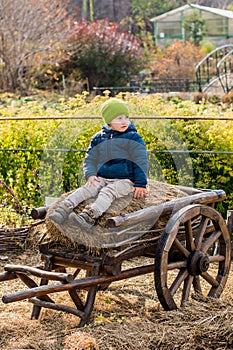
{"x": 109, "y": 147}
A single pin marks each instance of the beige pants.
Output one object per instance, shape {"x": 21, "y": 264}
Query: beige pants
{"x": 106, "y": 190}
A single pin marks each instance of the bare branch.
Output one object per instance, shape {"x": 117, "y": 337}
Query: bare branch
{"x": 30, "y": 33}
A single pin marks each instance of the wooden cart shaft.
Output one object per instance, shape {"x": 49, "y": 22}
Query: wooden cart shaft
{"x": 77, "y": 284}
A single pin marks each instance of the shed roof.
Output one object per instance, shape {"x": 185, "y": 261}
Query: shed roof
{"x": 216, "y": 11}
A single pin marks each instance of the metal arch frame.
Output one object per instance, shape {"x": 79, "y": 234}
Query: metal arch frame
{"x": 226, "y": 74}
{"x": 205, "y": 59}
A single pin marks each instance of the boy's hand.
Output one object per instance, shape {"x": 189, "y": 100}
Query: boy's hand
{"x": 91, "y": 180}
{"x": 140, "y": 192}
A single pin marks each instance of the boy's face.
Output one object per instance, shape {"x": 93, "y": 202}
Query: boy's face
{"x": 120, "y": 123}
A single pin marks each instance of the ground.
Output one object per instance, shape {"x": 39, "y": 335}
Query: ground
{"x": 126, "y": 316}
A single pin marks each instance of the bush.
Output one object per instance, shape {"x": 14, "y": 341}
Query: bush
{"x": 228, "y": 98}
{"x": 102, "y": 54}
{"x": 200, "y": 97}
{"x": 178, "y": 60}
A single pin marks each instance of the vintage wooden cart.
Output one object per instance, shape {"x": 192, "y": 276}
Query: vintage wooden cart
{"x": 190, "y": 256}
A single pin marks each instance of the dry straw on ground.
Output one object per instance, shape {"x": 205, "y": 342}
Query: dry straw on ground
{"x": 126, "y": 316}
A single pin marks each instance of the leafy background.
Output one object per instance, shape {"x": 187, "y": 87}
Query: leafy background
{"x": 42, "y": 157}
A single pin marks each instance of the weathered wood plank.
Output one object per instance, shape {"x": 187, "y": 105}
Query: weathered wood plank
{"x": 157, "y": 211}
{"x": 7, "y": 276}
{"x": 59, "y": 307}
{"x": 63, "y": 277}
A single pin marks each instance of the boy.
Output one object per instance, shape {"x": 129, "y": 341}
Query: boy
{"x": 115, "y": 165}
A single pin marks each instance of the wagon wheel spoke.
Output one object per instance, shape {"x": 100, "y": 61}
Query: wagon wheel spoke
{"x": 181, "y": 262}
{"x": 216, "y": 258}
{"x": 187, "y": 289}
{"x": 177, "y": 265}
{"x": 189, "y": 235}
{"x": 182, "y": 275}
{"x": 181, "y": 248}
{"x": 192, "y": 256}
{"x": 200, "y": 234}
{"x": 210, "y": 241}
{"x": 197, "y": 285}
{"x": 211, "y": 280}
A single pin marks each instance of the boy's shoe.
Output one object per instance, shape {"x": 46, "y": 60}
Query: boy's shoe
{"x": 85, "y": 219}
{"x": 61, "y": 213}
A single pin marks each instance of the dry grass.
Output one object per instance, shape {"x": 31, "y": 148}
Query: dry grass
{"x": 126, "y": 316}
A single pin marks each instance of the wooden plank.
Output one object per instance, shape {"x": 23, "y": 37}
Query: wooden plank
{"x": 157, "y": 211}
{"x": 7, "y": 276}
{"x": 59, "y": 307}
{"x": 56, "y": 276}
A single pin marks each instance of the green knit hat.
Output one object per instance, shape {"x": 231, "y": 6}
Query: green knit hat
{"x": 112, "y": 108}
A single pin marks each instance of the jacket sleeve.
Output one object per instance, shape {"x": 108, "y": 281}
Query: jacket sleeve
{"x": 90, "y": 161}
{"x": 139, "y": 158}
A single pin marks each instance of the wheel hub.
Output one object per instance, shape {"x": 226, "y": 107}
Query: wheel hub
{"x": 198, "y": 263}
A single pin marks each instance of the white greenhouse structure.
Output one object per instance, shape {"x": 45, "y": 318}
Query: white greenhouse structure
{"x": 218, "y": 24}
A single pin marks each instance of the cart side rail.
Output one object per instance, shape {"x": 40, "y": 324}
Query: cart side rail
{"x": 156, "y": 211}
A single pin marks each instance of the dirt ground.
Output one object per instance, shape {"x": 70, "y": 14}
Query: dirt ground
{"x": 126, "y": 316}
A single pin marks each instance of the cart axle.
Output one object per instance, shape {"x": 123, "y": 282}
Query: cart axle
{"x": 198, "y": 263}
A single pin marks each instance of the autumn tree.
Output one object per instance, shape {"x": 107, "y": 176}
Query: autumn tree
{"x": 102, "y": 54}
{"x": 178, "y": 60}
{"x": 30, "y": 32}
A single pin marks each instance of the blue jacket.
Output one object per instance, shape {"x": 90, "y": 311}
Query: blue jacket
{"x": 122, "y": 155}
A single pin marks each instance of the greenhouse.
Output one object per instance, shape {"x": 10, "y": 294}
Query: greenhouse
{"x": 215, "y": 25}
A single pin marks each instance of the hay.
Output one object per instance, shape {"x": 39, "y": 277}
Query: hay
{"x": 69, "y": 235}
{"x": 80, "y": 341}
{"x": 196, "y": 326}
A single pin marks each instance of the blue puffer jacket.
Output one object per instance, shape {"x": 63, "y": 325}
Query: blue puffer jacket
{"x": 122, "y": 155}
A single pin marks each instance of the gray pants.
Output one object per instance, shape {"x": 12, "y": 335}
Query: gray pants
{"x": 106, "y": 190}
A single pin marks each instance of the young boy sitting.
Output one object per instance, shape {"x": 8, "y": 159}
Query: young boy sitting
{"x": 115, "y": 165}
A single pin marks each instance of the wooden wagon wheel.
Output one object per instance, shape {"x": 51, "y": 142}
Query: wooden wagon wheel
{"x": 193, "y": 256}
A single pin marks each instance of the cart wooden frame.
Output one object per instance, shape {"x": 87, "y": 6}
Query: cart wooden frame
{"x": 190, "y": 257}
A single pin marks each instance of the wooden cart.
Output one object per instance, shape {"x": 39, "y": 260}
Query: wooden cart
{"x": 191, "y": 256}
